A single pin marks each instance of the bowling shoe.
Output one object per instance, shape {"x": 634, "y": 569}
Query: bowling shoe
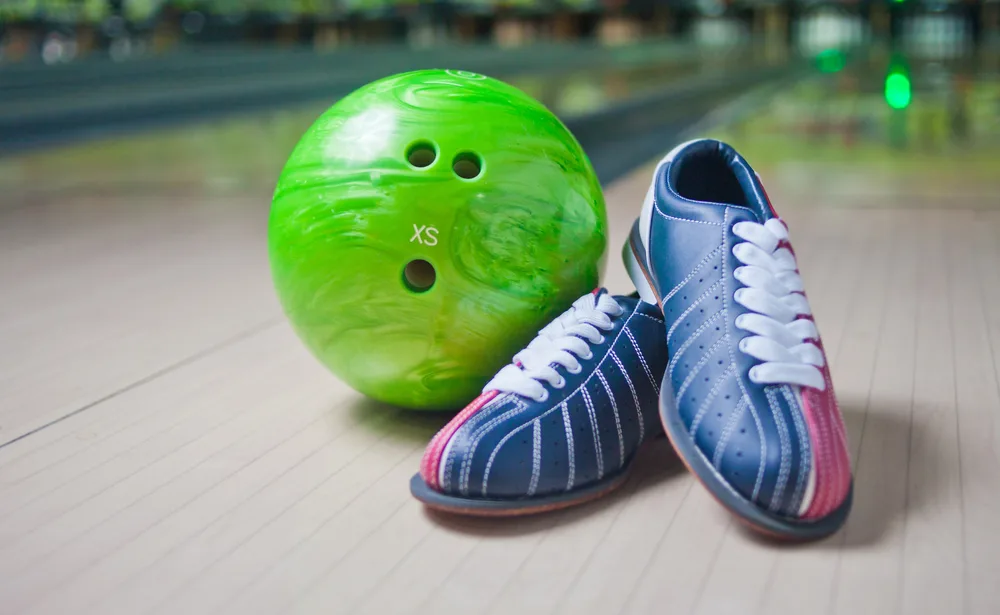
{"x": 562, "y": 423}
{"x": 746, "y": 399}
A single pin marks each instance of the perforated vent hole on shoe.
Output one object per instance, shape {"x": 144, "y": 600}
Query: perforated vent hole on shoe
{"x": 421, "y": 154}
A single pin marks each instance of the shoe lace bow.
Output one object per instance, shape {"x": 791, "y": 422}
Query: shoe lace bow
{"x": 562, "y": 342}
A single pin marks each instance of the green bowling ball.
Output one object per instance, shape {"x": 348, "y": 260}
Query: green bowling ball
{"x": 426, "y": 227}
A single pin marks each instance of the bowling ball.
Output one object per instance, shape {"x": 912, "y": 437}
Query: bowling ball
{"x": 425, "y": 228}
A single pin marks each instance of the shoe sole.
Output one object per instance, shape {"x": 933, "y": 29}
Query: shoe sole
{"x": 756, "y": 518}
{"x": 514, "y": 507}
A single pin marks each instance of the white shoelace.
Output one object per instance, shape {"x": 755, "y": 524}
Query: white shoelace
{"x": 559, "y": 343}
{"x": 773, "y": 294}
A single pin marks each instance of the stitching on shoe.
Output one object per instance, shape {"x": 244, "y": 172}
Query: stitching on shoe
{"x": 784, "y": 470}
{"x": 708, "y": 258}
{"x": 624, "y": 329}
{"x": 635, "y": 396}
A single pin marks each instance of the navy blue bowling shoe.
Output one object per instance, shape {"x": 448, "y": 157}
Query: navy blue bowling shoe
{"x": 560, "y": 425}
{"x": 746, "y": 399}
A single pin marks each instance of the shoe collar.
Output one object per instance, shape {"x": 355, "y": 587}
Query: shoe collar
{"x": 708, "y": 172}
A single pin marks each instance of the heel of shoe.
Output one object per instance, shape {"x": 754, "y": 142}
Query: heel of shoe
{"x": 637, "y": 272}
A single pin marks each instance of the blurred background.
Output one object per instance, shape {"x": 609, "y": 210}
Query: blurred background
{"x": 63, "y": 31}
{"x": 71, "y": 68}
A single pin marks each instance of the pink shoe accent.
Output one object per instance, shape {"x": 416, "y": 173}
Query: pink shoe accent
{"x": 831, "y": 458}
{"x": 431, "y": 461}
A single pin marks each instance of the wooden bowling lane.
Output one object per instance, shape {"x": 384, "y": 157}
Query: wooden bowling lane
{"x": 198, "y": 459}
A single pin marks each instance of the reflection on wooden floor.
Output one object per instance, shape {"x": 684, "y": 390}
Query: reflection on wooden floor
{"x": 172, "y": 447}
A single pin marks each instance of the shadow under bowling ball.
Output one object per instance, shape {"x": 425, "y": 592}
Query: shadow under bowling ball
{"x": 396, "y": 423}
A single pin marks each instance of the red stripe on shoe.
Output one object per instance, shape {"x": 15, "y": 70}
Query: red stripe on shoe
{"x": 831, "y": 459}
{"x": 431, "y": 461}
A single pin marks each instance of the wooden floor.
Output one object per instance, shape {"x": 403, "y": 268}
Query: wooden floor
{"x": 170, "y": 447}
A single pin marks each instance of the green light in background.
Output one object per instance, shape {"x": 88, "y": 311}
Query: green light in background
{"x": 897, "y": 90}
{"x": 830, "y": 61}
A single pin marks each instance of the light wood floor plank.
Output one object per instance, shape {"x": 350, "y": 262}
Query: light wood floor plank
{"x": 80, "y": 501}
{"x": 174, "y": 562}
{"x": 337, "y": 501}
{"x": 933, "y": 562}
{"x": 868, "y": 579}
{"x": 544, "y": 579}
{"x": 117, "y": 264}
{"x": 975, "y": 300}
{"x": 608, "y": 577}
{"x": 409, "y": 582}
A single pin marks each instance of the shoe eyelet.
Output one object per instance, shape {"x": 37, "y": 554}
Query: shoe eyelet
{"x": 579, "y": 368}
{"x": 560, "y": 383}
{"x": 590, "y": 355}
{"x": 602, "y": 340}
{"x": 543, "y": 397}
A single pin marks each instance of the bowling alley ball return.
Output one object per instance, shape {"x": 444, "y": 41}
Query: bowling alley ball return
{"x": 425, "y": 228}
